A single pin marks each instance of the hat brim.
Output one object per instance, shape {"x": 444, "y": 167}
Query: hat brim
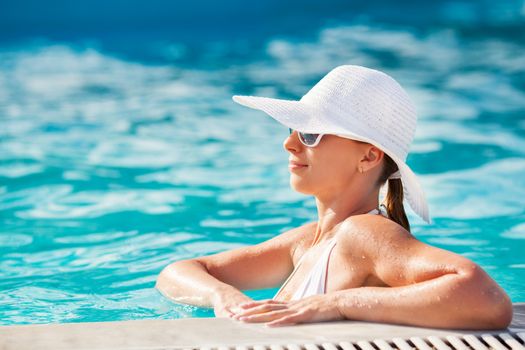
{"x": 296, "y": 115}
{"x": 290, "y": 113}
{"x": 304, "y": 118}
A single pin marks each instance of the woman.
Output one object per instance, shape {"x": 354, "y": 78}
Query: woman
{"x": 349, "y": 135}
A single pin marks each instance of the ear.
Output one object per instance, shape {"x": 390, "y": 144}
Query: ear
{"x": 372, "y": 157}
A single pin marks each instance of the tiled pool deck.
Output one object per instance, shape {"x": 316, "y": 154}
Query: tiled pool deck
{"x": 222, "y": 332}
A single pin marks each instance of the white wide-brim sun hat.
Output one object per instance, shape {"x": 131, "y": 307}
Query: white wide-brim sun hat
{"x": 358, "y": 103}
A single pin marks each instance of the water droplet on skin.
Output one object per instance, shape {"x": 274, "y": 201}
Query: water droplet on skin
{"x": 363, "y": 256}
{"x": 369, "y": 306}
{"x": 438, "y": 298}
{"x": 376, "y": 301}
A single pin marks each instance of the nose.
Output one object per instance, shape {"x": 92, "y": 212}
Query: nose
{"x": 292, "y": 143}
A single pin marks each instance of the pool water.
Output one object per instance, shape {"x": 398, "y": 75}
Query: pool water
{"x": 113, "y": 164}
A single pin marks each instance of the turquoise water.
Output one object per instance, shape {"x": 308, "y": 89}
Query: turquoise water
{"x": 114, "y": 165}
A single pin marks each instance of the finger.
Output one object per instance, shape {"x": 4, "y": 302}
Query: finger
{"x": 265, "y": 317}
{"x": 265, "y": 308}
{"x": 236, "y": 310}
{"x": 229, "y": 312}
{"x": 260, "y": 302}
{"x": 249, "y": 304}
{"x": 256, "y": 301}
{"x": 286, "y": 320}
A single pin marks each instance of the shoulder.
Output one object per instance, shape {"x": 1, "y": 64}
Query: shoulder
{"x": 371, "y": 232}
{"x": 374, "y": 224}
{"x": 390, "y": 249}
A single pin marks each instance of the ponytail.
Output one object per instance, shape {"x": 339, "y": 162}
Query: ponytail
{"x": 394, "y": 198}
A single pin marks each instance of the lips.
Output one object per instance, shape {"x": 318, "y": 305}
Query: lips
{"x": 294, "y": 164}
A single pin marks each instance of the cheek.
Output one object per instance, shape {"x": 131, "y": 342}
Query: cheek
{"x": 333, "y": 168}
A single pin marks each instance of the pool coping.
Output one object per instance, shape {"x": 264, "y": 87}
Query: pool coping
{"x": 213, "y": 332}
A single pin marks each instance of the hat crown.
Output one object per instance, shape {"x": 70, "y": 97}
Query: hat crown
{"x": 357, "y": 98}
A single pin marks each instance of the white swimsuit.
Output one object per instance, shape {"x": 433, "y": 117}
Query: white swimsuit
{"x": 315, "y": 282}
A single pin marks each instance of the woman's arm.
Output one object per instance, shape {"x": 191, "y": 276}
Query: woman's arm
{"x": 459, "y": 301}
{"x": 189, "y": 282}
{"x": 430, "y": 287}
{"x": 219, "y": 278}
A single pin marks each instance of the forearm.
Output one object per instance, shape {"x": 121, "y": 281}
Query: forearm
{"x": 449, "y": 301}
{"x": 189, "y": 282}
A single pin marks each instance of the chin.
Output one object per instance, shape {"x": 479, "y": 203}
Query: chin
{"x": 299, "y": 185}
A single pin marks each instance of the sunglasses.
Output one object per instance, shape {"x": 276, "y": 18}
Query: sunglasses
{"x": 309, "y": 140}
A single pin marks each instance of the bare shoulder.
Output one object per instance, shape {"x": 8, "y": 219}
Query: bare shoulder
{"x": 378, "y": 237}
{"x": 368, "y": 230}
{"x": 395, "y": 256}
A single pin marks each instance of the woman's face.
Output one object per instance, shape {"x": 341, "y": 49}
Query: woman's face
{"x": 330, "y": 166}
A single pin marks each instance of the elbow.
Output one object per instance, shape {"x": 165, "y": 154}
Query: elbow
{"x": 498, "y": 313}
{"x": 170, "y": 277}
{"x": 167, "y": 277}
{"x": 163, "y": 278}
{"x": 492, "y": 305}
{"x": 502, "y": 312}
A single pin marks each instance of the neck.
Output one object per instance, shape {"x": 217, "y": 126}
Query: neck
{"x": 333, "y": 210}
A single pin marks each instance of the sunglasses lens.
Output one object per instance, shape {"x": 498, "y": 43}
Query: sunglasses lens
{"x": 308, "y": 139}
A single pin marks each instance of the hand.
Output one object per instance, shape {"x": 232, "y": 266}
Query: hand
{"x": 315, "y": 308}
{"x": 226, "y": 305}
